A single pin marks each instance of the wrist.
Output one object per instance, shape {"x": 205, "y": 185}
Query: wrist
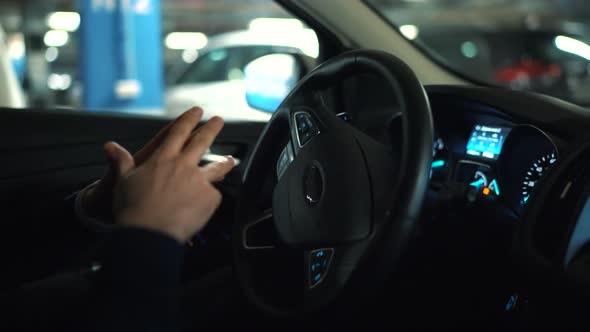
{"x": 149, "y": 224}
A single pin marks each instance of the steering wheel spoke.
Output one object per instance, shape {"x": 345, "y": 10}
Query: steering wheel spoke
{"x": 260, "y": 234}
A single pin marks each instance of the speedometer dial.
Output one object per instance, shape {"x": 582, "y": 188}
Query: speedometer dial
{"x": 526, "y": 155}
{"x": 534, "y": 173}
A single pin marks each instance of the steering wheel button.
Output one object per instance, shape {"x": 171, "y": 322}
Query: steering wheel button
{"x": 285, "y": 159}
{"x": 319, "y": 263}
{"x": 305, "y": 128}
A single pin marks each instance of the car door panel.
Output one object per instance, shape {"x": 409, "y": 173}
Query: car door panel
{"x": 53, "y": 151}
{"x": 47, "y": 155}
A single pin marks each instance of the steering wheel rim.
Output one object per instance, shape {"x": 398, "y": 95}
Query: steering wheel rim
{"x": 315, "y": 211}
{"x": 544, "y": 246}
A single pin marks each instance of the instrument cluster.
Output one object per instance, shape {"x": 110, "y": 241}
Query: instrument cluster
{"x": 495, "y": 157}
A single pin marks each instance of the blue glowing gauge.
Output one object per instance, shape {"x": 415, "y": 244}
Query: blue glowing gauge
{"x": 439, "y": 160}
{"x": 534, "y": 173}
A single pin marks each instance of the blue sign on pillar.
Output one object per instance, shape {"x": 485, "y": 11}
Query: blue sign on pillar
{"x": 121, "y": 55}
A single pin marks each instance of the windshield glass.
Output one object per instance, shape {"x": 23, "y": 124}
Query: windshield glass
{"x": 533, "y": 45}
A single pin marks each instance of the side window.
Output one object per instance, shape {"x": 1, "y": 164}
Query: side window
{"x": 149, "y": 57}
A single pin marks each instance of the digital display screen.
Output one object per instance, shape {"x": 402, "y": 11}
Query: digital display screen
{"x": 486, "y": 141}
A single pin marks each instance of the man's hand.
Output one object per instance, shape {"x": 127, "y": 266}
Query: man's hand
{"x": 97, "y": 200}
{"x": 167, "y": 192}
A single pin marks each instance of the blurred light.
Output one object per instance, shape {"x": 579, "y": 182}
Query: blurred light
{"x": 127, "y": 89}
{"x": 16, "y": 46}
{"x": 286, "y": 32}
{"x": 309, "y": 43}
{"x": 409, "y": 31}
{"x": 532, "y": 22}
{"x": 56, "y": 38}
{"x": 218, "y": 55}
{"x": 185, "y": 40}
{"x": 143, "y": 7}
{"x": 486, "y": 191}
{"x": 469, "y": 49}
{"x": 273, "y": 24}
{"x": 438, "y": 164}
{"x": 494, "y": 186}
{"x": 59, "y": 82}
{"x": 477, "y": 183}
{"x": 51, "y": 54}
{"x": 68, "y": 21}
{"x": 574, "y": 46}
{"x": 235, "y": 74}
{"x": 190, "y": 56}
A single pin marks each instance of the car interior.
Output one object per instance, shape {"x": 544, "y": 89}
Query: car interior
{"x": 389, "y": 189}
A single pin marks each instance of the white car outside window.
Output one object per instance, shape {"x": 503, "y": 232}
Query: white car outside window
{"x": 214, "y": 80}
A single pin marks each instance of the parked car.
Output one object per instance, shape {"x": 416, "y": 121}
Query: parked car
{"x": 215, "y": 80}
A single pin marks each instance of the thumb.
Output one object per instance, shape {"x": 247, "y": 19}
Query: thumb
{"x": 120, "y": 158}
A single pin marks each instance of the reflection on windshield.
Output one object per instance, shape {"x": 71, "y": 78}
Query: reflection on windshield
{"x": 533, "y": 45}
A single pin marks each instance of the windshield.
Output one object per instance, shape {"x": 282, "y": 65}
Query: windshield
{"x": 532, "y": 45}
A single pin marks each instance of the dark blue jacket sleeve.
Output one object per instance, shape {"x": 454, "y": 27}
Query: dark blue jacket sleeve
{"x": 136, "y": 288}
{"x": 44, "y": 240}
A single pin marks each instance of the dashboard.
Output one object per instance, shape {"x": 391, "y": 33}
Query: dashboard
{"x": 491, "y": 153}
{"x": 498, "y": 145}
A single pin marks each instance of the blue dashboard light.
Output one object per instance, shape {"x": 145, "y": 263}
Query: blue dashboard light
{"x": 438, "y": 163}
{"x": 486, "y": 141}
{"x": 477, "y": 183}
{"x": 524, "y": 200}
{"x": 494, "y": 186}
{"x": 512, "y": 301}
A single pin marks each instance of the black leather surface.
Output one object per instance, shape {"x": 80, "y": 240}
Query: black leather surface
{"x": 55, "y": 150}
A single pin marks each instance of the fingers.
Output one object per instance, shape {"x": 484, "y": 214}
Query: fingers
{"x": 121, "y": 158}
{"x": 200, "y": 142}
{"x": 179, "y": 133}
{"x": 144, "y": 154}
{"x": 215, "y": 172}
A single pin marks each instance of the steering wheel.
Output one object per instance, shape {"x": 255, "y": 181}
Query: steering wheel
{"x": 344, "y": 206}
{"x": 554, "y": 237}
{"x": 552, "y": 244}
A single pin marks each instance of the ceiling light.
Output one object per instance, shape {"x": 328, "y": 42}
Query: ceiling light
{"x": 409, "y": 31}
{"x": 51, "y": 54}
{"x": 56, "y": 38}
{"x": 59, "y": 82}
{"x": 185, "y": 40}
{"x": 68, "y": 21}
{"x": 574, "y": 46}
